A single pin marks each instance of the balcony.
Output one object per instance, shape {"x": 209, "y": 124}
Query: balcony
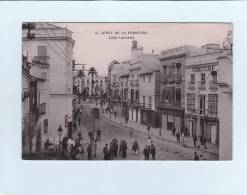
{"x": 171, "y": 78}
{"x": 42, "y": 108}
{"x": 201, "y": 85}
{"x": 133, "y": 102}
{"x": 213, "y": 85}
{"x": 204, "y": 112}
{"x": 170, "y": 103}
{"x": 146, "y": 106}
{"x": 191, "y": 85}
{"x": 114, "y": 84}
{"x": 42, "y": 61}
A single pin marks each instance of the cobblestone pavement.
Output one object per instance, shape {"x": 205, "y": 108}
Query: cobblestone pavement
{"x": 165, "y": 150}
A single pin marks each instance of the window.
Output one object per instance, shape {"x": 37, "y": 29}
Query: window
{"x": 150, "y": 78}
{"x": 170, "y": 70}
{"x": 44, "y": 75}
{"x": 203, "y": 78}
{"x": 178, "y": 66}
{"x": 212, "y": 104}
{"x": 214, "y": 76}
{"x": 192, "y": 78}
{"x": 150, "y": 100}
{"x": 45, "y": 125}
{"x": 178, "y": 94}
{"x": 173, "y": 94}
{"x": 164, "y": 70}
{"x": 143, "y": 99}
{"x": 163, "y": 94}
{"x": 202, "y": 104}
{"x": 191, "y": 102}
{"x": 42, "y": 108}
{"x": 42, "y": 51}
{"x": 143, "y": 78}
{"x": 174, "y": 68}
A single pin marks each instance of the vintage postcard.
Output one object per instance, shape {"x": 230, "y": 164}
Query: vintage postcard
{"x": 127, "y": 91}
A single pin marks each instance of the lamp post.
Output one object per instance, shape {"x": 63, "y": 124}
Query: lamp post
{"x": 60, "y": 130}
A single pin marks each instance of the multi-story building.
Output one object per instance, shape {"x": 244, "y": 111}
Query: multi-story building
{"x": 28, "y": 108}
{"x": 115, "y": 84}
{"x": 123, "y": 85}
{"x": 51, "y": 54}
{"x": 202, "y": 93}
{"x": 224, "y": 83}
{"x": 143, "y": 86}
{"x": 99, "y": 84}
{"x": 149, "y": 90}
{"x": 172, "y": 84}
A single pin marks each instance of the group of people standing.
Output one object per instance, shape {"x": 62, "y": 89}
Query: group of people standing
{"x": 149, "y": 149}
{"x": 111, "y": 151}
{"x": 94, "y": 137}
{"x": 73, "y": 146}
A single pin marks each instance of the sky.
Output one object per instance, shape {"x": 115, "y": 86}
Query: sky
{"x": 95, "y": 48}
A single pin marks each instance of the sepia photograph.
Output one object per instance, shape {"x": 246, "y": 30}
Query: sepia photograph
{"x": 127, "y": 91}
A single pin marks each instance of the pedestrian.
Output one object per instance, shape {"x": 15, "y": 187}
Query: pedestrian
{"x": 148, "y": 128}
{"x": 173, "y": 130}
{"x": 178, "y": 136}
{"x": 94, "y": 148}
{"x": 98, "y": 135}
{"x": 146, "y": 152}
{"x": 47, "y": 143}
{"x": 149, "y": 141}
{"x": 124, "y": 149}
{"x": 126, "y": 120}
{"x": 182, "y": 135}
{"x": 194, "y": 140}
{"x": 89, "y": 151}
{"x": 153, "y": 151}
{"x": 120, "y": 147}
{"x": 64, "y": 144}
{"x": 115, "y": 147}
{"x": 135, "y": 147}
{"x": 196, "y": 157}
{"x": 205, "y": 142}
{"x": 106, "y": 152}
{"x": 111, "y": 150}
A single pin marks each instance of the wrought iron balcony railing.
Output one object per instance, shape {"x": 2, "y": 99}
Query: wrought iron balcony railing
{"x": 42, "y": 61}
{"x": 201, "y": 85}
{"x": 170, "y": 103}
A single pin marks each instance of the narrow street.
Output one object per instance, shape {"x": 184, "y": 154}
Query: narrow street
{"x": 110, "y": 130}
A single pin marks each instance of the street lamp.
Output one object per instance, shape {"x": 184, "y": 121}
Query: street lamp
{"x": 60, "y": 130}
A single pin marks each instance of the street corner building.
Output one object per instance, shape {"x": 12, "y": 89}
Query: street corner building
{"x": 208, "y": 97}
{"x": 47, "y": 84}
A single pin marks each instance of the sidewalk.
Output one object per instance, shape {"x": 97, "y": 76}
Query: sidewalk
{"x": 165, "y": 135}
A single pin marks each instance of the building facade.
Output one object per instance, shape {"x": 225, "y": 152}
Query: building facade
{"x": 202, "y": 93}
{"x": 172, "y": 85}
{"x": 225, "y": 105}
{"x": 51, "y": 55}
{"x": 143, "y": 87}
